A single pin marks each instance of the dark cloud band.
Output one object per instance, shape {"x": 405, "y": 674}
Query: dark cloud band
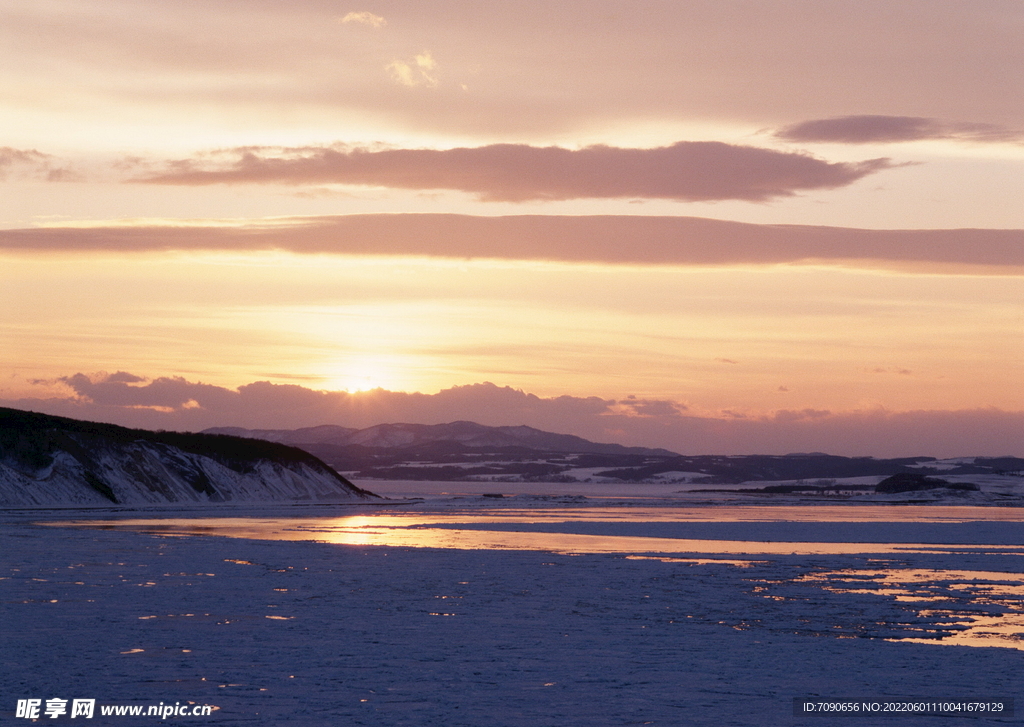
{"x": 602, "y": 239}
{"x": 685, "y": 171}
{"x": 887, "y": 129}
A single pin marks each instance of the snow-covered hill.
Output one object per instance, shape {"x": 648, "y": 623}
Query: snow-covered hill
{"x": 53, "y": 461}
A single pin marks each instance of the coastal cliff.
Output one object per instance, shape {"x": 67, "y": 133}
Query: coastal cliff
{"x": 53, "y": 461}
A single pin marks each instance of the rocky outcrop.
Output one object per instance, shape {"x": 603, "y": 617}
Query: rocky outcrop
{"x": 47, "y": 460}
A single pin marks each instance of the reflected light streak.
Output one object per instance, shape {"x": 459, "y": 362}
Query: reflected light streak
{"x": 400, "y": 532}
{"x": 961, "y": 588}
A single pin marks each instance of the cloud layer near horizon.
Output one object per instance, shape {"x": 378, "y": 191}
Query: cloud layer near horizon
{"x": 601, "y": 239}
{"x": 686, "y": 171}
{"x": 175, "y": 403}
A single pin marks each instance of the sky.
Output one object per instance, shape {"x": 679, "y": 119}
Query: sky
{"x": 718, "y": 227}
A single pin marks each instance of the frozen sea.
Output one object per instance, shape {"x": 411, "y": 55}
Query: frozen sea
{"x": 552, "y": 605}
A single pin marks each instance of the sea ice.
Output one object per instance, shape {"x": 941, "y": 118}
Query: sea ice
{"x": 311, "y": 633}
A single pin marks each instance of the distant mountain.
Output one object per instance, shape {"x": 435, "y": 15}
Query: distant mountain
{"x": 48, "y": 460}
{"x": 465, "y": 451}
{"x": 426, "y": 437}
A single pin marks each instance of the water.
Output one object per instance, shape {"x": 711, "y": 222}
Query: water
{"x": 964, "y": 605}
{"x": 485, "y": 532}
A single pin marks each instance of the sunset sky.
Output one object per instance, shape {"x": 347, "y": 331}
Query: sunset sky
{"x": 712, "y": 226}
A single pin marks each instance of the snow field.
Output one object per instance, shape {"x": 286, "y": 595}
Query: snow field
{"x": 306, "y": 633}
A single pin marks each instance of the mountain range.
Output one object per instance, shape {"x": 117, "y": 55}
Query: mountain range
{"x": 431, "y": 437}
{"x": 466, "y": 451}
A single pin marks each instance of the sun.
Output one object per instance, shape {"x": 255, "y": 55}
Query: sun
{"x": 361, "y": 375}
{"x": 362, "y": 383}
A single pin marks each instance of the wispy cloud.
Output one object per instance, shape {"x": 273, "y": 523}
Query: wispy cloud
{"x": 420, "y": 71}
{"x": 30, "y": 164}
{"x": 685, "y": 171}
{"x": 631, "y": 406}
{"x": 887, "y": 129}
{"x": 365, "y": 18}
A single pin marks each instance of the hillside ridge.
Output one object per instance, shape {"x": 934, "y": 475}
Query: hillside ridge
{"x": 51, "y": 460}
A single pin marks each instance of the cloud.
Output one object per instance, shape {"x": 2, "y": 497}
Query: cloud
{"x": 123, "y": 390}
{"x": 612, "y": 239}
{"x": 788, "y": 415}
{"x": 417, "y": 73}
{"x": 29, "y": 164}
{"x": 650, "y": 408}
{"x": 175, "y": 403}
{"x": 401, "y": 72}
{"x": 365, "y": 18}
{"x": 182, "y": 403}
{"x": 10, "y": 157}
{"x": 684, "y": 171}
{"x": 125, "y": 377}
{"x": 894, "y": 370}
{"x": 885, "y": 129}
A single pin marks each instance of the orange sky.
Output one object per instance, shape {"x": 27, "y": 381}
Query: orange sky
{"x": 777, "y": 226}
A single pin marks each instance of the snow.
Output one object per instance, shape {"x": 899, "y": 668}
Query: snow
{"x": 147, "y": 473}
{"x": 300, "y": 632}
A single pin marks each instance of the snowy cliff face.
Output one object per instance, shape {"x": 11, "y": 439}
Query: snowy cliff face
{"x": 47, "y": 461}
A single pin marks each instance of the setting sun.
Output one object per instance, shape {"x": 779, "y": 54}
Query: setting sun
{"x": 361, "y": 375}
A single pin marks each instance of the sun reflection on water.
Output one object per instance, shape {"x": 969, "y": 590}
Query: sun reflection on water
{"x": 964, "y": 592}
{"x": 415, "y": 531}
